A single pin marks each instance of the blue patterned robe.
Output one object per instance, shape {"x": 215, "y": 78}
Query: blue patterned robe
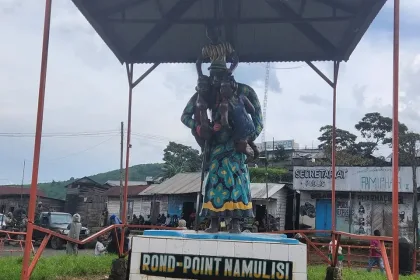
{"x": 227, "y": 186}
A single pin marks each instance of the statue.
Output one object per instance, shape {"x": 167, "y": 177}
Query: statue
{"x": 218, "y": 52}
{"x": 227, "y": 187}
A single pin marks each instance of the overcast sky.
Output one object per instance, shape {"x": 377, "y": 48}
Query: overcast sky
{"x": 87, "y": 92}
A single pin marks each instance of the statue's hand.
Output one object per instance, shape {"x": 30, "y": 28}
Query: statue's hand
{"x": 204, "y": 131}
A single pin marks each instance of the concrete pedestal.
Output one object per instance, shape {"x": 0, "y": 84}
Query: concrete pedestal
{"x": 189, "y": 255}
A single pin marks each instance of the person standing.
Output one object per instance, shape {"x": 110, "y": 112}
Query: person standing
{"x": 74, "y": 233}
{"x": 340, "y": 256}
{"x": 375, "y": 256}
{"x": 100, "y": 249}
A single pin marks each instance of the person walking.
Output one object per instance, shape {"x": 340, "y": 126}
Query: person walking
{"x": 74, "y": 233}
{"x": 375, "y": 256}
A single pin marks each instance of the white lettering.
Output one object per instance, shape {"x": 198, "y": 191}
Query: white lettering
{"x": 228, "y": 267}
{"x": 217, "y": 261}
{"x": 246, "y": 269}
{"x": 187, "y": 264}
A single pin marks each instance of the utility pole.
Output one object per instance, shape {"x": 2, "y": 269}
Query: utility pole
{"x": 121, "y": 169}
{"x": 21, "y": 186}
{"x": 267, "y": 220}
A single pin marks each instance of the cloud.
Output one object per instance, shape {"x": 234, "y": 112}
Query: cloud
{"x": 313, "y": 99}
{"x": 87, "y": 92}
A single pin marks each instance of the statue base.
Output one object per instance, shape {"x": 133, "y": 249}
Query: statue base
{"x": 162, "y": 254}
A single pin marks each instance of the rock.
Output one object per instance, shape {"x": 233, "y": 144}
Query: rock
{"x": 118, "y": 269}
{"x": 334, "y": 273}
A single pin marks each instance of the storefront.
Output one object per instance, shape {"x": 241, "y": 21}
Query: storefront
{"x": 364, "y": 199}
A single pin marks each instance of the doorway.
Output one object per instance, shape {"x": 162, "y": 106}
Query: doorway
{"x": 382, "y": 219}
{"x": 187, "y": 210}
{"x": 260, "y": 216}
{"x": 323, "y": 219}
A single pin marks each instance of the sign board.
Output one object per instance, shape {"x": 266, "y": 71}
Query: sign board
{"x": 213, "y": 267}
{"x": 355, "y": 179}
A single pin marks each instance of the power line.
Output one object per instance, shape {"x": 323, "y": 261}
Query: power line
{"x": 82, "y": 151}
{"x": 59, "y": 134}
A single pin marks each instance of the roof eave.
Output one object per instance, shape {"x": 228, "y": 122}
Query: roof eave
{"x": 101, "y": 32}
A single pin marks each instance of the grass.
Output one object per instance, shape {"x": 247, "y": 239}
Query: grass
{"x": 318, "y": 273}
{"x": 57, "y": 267}
{"x": 89, "y": 267}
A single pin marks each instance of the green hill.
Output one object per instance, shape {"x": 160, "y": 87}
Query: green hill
{"x": 55, "y": 189}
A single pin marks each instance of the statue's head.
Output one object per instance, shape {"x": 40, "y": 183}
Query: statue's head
{"x": 228, "y": 87}
{"x": 213, "y": 33}
{"x": 203, "y": 84}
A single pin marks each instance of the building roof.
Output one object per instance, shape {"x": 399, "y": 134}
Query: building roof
{"x": 259, "y": 190}
{"x": 18, "y": 190}
{"x": 185, "y": 183}
{"x": 85, "y": 181}
{"x": 113, "y": 183}
{"x": 132, "y": 190}
{"x": 181, "y": 183}
{"x": 151, "y": 31}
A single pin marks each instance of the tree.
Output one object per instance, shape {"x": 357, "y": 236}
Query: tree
{"x": 409, "y": 148}
{"x": 376, "y": 129}
{"x": 280, "y": 153}
{"x": 344, "y": 139}
{"x": 180, "y": 158}
{"x": 343, "y": 158}
{"x": 348, "y": 152}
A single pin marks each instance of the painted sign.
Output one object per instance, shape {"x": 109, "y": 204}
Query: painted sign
{"x": 356, "y": 179}
{"x": 213, "y": 267}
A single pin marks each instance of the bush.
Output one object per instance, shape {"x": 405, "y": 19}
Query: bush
{"x": 275, "y": 175}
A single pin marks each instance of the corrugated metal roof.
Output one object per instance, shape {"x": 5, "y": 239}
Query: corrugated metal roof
{"x": 259, "y": 190}
{"x": 184, "y": 183}
{"x": 130, "y": 183}
{"x": 18, "y": 190}
{"x": 132, "y": 190}
{"x": 151, "y": 31}
{"x": 181, "y": 183}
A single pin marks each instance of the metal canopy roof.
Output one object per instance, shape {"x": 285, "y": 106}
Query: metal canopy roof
{"x": 163, "y": 31}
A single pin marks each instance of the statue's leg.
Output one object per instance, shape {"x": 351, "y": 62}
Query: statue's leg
{"x": 235, "y": 226}
{"x": 214, "y": 225}
{"x": 224, "y": 118}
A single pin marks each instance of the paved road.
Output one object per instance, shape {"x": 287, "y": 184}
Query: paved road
{"x": 47, "y": 252}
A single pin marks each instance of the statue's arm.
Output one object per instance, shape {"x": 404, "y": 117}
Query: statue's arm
{"x": 188, "y": 113}
{"x": 257, "y": 117}
{"x": 248, "y": 106}
{"x": 234, "y": 58}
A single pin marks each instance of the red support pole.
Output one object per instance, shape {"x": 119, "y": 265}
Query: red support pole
{"x": 127, "y": 157}
{"x": 395, "y": 142}
{"x": 333, "y": 157}
{"x": 37, "y": 147}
